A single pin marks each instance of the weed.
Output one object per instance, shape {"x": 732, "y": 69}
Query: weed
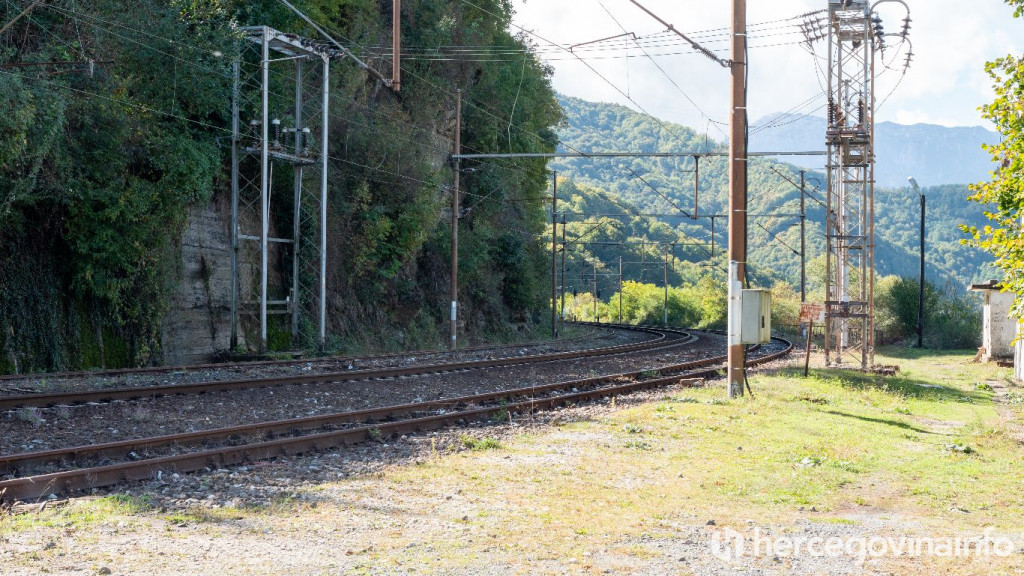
{"x": 664, "y": 408}
{"x": 638, "y": 445}
{"x": 376, "y": 435}
{"x": 140, "y": 414}
{"x": 811, "y": 461}
{"x": 684, "y": 400}
{"x": 501, "y": 416}
{"x": 959, "y": 448}
{"x": 30, "y": 415}
{"x": 479, "y": 444}
{"x": 813, "y": 400}
{"x": 902, "y": 410}
{"x": 984, "y": 387}
{"x": 632, "y": 429}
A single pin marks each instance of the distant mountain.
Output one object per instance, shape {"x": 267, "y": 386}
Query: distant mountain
{"x": 934, "y": 155}
{"x": 665, "y": 186}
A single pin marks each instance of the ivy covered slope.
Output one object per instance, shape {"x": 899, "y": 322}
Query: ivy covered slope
{"x": 98, "y": 171}
{"x": 774, "y": 230}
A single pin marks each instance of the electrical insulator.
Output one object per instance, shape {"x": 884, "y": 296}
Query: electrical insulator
{"x": 276, "y": 123}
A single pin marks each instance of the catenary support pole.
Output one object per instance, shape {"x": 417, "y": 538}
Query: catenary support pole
{"x": 561, "y": 311}
{"x": 736, "y": 362}
{"x": 554, "y": 253}
{"x": 296, "y": 205}
{"x": 920, "y": 287}
{"x": 455, "y": 221}
{"x": 696, "y": 187}
{"x": 235, "y": 137}
{"x": 664, "y": 306}
{"x": 396, "y": 45}
{"x": 803, "y": 238}
{"x": 264, "y": 185}
{"x": 620, "y": 289}
{"x": 324, "y": 155}
{"x": 595, "y": 290}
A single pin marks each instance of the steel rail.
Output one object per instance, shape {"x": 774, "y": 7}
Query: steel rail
{"x": 263, "y": 363}
{"x": 123, "y": 448}
{"x": 86, "y": 478}
{"x": 133, "y": 392}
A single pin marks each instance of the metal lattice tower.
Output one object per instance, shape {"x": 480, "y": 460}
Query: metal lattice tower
{"x": 850, "y": 261}
{"x": 279, "y": 136}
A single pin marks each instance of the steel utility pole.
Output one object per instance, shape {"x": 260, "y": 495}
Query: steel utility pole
{"x": 920, "y": 287}
{"x": 737, "y": 197}
{"x": 620, "y": 289}
{"x": 803, "y": 238}
{"x": 561, "y": 311}
{"x": 455, "y": 220}
{"x": 595, "y": 290}
{"x": 920, "y": 283}
{"x": 554, "y": 253}
{"x": 665, "y": 304}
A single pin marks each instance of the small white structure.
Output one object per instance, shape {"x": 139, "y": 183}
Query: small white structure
{"x": 999, "y": 329}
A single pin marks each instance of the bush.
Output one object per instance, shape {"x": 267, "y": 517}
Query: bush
{"x": 951, "y": 317}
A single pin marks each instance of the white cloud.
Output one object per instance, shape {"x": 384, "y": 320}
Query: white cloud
{"x": 952, "y": 41}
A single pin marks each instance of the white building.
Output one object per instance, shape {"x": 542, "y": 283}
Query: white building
{"x": 999, "y": 329}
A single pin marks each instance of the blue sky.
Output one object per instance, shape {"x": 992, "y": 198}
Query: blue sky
{"x": 946, "y": 84}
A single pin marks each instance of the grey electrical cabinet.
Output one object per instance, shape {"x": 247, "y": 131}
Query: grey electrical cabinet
{"x": 756, "y": 326}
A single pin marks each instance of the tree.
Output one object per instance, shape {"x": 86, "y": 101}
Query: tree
{"x": 1003, "y": 196}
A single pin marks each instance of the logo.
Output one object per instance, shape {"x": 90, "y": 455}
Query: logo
{"x": 728, "y": 545}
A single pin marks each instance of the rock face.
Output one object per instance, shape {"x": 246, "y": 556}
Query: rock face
{"x": 198, "y": 322}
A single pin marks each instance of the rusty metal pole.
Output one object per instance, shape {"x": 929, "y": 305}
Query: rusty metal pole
{"x": 554, "y": 253}
{"x": 737, "y": 197}
{"x": 455, "y": 221}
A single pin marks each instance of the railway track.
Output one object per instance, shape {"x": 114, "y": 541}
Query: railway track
{"x": 659, "y": 339}
{"x": 67, "y": 470}
{"x": 13, "y": 379}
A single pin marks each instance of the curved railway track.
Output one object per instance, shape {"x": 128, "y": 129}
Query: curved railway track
{"x": 65, "y": 470}
{"x": 320, "y": 360}
{"x": 660, "y": 339}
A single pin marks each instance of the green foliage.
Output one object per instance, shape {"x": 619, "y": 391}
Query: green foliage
{"x": 1003, "y": 196}
{"x": 952, "y": 319}
{"x": 98, "y": 172}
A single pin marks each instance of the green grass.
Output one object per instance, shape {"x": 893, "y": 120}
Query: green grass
{"x": 478, "y": 444}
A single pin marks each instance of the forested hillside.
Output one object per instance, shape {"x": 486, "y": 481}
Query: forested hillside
{"x": 667, "y": 187}
{"x": 105, "y": 153}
